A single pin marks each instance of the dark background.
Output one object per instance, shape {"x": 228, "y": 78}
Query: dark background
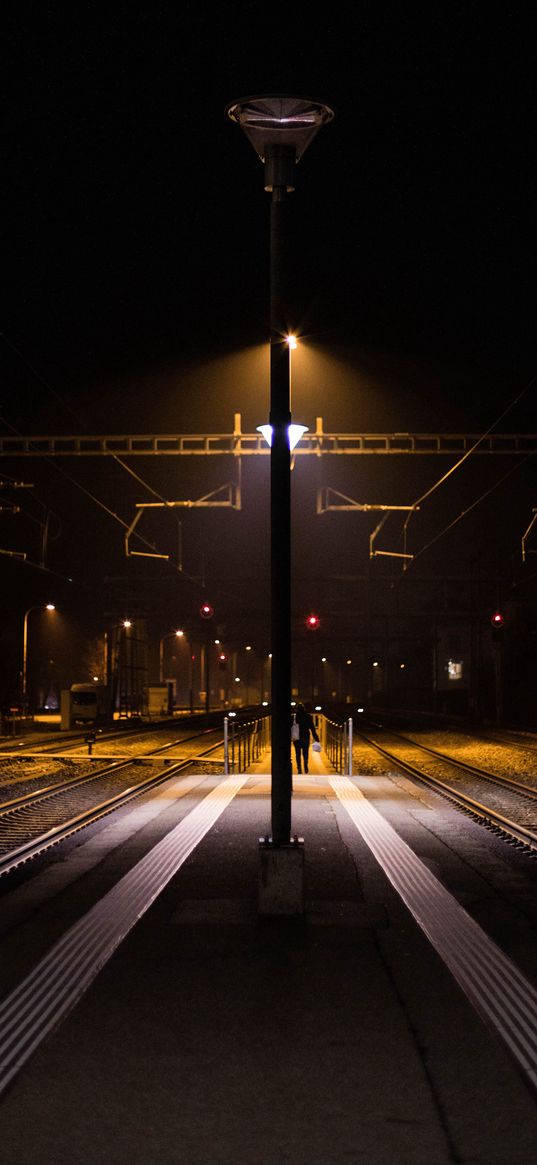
{"x": 136, "y": 276}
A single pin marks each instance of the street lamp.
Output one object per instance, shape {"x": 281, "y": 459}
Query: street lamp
{"x": 179, "y": 634}
{"x": 295, "y": 432}
{"x": 39, "y": 607}
{"x": 170, "y": 635}
{"x": 280, "y": 128}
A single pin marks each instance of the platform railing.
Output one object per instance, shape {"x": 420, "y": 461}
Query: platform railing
{"x": 244, "y": 742}
{"x": 337, "y": 743}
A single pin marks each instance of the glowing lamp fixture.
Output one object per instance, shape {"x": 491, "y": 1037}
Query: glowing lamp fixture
{"x": 51, "y": 607}
{"x": 295, "y": 433}
{"x": 292, "y": 342}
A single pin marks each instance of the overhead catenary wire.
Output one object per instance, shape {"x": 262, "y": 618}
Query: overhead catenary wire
{"x": 87, "y": 492}
{"x": 64, "y": 473}
{"x": 102, "y": 505}
{"x": 468, "y": 509}
{"x": 418, "y": 503}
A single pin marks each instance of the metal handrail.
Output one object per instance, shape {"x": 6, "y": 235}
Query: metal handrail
{"x": 244, "y": 742}
{"x": 337, "y": 743}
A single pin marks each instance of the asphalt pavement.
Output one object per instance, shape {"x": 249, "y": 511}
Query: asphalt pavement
{"x": 216, "y": 1035}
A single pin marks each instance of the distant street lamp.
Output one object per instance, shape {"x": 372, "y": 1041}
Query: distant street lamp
{"x": 39, "y": 607}
{"x": 170, "y": 635}
{"x": 280, "y": 128}
{"x": 178, "y": 635}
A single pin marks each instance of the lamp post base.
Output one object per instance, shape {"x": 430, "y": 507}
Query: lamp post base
{"x": 281, "y": 877}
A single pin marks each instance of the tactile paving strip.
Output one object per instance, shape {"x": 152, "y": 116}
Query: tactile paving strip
{"x": 491, "y": 981}
{"x": 49, "y": 992}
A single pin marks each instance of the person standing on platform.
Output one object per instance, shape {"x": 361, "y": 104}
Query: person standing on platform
{"x": 304, "y": 720}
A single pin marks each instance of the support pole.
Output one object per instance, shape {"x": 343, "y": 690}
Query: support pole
{"x": 226, "y": 746}
{"x": 280, "y": 528}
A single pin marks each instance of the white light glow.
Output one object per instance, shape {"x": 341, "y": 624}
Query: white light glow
{"x": 295, "y": 433}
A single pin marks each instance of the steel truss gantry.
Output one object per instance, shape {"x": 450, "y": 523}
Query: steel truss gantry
{"x": 237, "y": 445}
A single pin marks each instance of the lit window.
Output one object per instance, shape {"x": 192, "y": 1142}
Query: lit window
{"x": 454, "y": 669}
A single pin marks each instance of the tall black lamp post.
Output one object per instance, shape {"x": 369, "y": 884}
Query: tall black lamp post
{"x": 280, "y": 128}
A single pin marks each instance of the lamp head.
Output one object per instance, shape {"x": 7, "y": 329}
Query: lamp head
{"x": 280, "y": 128}
{"x": 295, "y": 432}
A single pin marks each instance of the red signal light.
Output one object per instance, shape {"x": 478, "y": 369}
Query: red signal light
{"x": 206, "y": 611}
{"x": 497, "y": 619}
{"x": 313, "y": 622}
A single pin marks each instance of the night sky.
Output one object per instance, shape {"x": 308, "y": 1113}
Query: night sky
{"x": 136, "y": 249}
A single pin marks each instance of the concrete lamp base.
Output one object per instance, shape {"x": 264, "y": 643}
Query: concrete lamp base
{"x": 281, "y": 877}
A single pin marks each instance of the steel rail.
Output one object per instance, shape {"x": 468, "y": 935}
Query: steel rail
{"x": 57, "y": 833}
{"x": 500, "y": 739}
{"x": 10, "y": 750}
{"x": 37, "y": 795}
{"x": 483, "y": 812}
{"x": 38, "y": 845}
{"x": 484, "y": 774}
{"x": 74, "y": 741}
{"x": 491, "y": 734}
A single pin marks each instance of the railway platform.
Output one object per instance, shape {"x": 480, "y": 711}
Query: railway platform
{"x": 213, "y": 1035}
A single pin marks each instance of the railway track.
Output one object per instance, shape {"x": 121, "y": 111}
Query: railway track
{"x": 504, "y": 802}
{"x": 64, "y": 742}
{"x": 515, "y": 738}
{"x": 37, "y": 819}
